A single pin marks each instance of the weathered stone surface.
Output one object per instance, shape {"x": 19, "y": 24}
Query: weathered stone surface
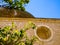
{"x": 7, "y": 12}
{"x": 53, "y": 24}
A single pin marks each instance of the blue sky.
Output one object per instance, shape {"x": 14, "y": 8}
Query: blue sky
{"x": 44, "y": 8}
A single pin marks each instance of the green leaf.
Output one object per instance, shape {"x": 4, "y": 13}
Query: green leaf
{"x": 17, "y": 4}
{"x": 22, "y": 33}
{"x": 7, "y": 28}
{"x": 21, "y": 43}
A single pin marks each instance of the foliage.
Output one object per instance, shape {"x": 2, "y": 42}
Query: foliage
{"x": 17, "y": 4}
{"x": 10, "y": 35}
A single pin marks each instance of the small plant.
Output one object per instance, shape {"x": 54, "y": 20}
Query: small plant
{"x": 17, "y": 4}
{"x": 10, "y": 35}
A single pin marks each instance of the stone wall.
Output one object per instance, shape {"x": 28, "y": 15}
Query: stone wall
{"x": 53, "y": 24}
{"x": 7, "y": 12}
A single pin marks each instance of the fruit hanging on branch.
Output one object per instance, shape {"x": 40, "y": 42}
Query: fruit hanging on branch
{"x": 9, "y": 35}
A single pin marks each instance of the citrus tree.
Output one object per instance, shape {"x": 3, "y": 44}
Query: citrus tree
{"x": 10, "y": 35}
{"x": 17, "y": 4}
